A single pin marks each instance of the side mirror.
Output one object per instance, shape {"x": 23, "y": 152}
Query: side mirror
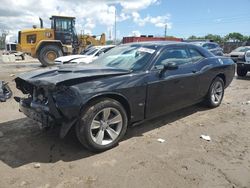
{"x": 171, "y": 66}
{"x": 168, "y": 66}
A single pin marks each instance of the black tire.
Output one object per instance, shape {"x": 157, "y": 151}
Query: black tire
{"x": 241, "y": 72}
{"x": 48, "y": 54}
{"x": 214, "y": 98}
{"x": 88, "y": 136}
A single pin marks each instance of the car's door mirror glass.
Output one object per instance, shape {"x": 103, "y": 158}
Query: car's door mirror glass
{"x": 171, "y": 66}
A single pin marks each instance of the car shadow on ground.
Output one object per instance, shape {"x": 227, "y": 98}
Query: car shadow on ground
{"x": 23, "y": 142}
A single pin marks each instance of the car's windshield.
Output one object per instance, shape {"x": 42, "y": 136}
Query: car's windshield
{"x": 242, "y": 49}
{"x": 133, "y": 57}
{"x": 86, "y": 50}
{"x": 89, "y": 51}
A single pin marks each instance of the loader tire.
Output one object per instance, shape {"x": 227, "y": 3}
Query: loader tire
{"x": 48, "y": 54}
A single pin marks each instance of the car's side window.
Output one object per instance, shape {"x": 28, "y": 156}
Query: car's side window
{"x": 209, "y": 46}
{"x": 206, "y": 46}
{"x": 195, "y": 55}
{"x": 176, "y": 55}
{"x": 212, "y": 46}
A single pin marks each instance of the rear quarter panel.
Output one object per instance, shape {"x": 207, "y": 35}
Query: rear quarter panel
{"x": 212, "y": 67}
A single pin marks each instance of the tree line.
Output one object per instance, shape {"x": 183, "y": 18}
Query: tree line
{"x": 231, "y": 37}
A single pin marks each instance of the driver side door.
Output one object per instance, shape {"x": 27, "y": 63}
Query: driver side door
{"x": 174, "y": 89}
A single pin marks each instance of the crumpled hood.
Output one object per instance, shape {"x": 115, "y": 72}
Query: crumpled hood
{"x": 69, "y": 58}
{"x": 68, "y": 75}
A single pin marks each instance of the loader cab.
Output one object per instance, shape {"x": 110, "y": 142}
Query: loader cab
{"x": 64, "y": 28}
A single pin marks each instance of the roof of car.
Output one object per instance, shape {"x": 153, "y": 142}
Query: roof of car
{"x": 104, "y": 46}
{"x": 198, "y": 42}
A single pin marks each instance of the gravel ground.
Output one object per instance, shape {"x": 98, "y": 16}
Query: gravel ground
{"x": 30, "y": 157}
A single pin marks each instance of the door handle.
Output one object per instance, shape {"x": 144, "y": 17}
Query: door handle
{"x": 194, "y": 71}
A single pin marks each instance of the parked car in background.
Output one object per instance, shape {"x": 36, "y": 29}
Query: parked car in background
{"x": 211, "y": 46}
{"x": 87, "y": 56}
{"x": 128, "y": 84}
{"x": 238, "y": 53}
{"x": 243, "y": 64}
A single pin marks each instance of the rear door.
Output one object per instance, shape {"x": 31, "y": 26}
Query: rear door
{"x": 175, "y": 88}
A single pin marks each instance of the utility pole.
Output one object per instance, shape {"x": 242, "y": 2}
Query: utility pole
{"x": 166, "y": 27}
{"x": 115, "y": 28}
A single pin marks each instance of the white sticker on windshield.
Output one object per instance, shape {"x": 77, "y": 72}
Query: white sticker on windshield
{"x": 147, "y": 50}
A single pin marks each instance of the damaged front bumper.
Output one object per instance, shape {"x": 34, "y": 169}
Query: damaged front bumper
{"x": 55, "y": 108}
{"x": 36, "y": 112}
{"x": 46, "y": 116}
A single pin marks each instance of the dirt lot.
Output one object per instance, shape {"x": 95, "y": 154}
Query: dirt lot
{"x": 183, "y": 160}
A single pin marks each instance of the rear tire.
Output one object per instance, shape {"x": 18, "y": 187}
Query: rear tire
{"x": 48, "y": 54}
{"x": 102, "y": 126}
{"x": 241, "y": 72}
{"x": 215, "y": 93}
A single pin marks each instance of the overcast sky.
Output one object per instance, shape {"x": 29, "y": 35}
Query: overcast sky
{"x": 134, "y": 17}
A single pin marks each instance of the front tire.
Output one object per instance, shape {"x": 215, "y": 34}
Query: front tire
{"x": 48, "y": 54}
{"x": 241, "y": 72}
{"x": 215, "y": 93}
{"x": 102, "y": 125}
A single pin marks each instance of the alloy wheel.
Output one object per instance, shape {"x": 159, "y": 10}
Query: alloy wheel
{"x": 106, "y": 126}
{"x": 217, "y": 92}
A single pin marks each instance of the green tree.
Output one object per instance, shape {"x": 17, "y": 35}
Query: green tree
{"x": 215, "y": 38}
{"x": 192, "y": 37}
{"x": 235, "y": 37}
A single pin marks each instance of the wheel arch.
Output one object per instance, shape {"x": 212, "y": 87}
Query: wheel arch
{"x": 223, "y": 77}
{"x": 115, "y": 96}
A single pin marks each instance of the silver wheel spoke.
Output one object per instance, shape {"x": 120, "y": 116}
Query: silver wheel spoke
{"x": 100, "y": 136}
{"x": 217, "y": 85}
{"x": 95, "y": 124}
{"x": 106, "y": 113}
{"x": 216, "y": 97}
{"x": 213, "y": 97}
{"x": 116, "y": 119}
{"x": 112, "y": 133}
{"x": 219, "y": 90}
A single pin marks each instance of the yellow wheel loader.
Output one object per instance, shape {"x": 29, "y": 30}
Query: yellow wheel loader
{"x": 48, "y": 44}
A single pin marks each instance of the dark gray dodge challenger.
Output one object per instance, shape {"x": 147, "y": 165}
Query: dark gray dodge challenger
{"x": 129, "y": 84}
